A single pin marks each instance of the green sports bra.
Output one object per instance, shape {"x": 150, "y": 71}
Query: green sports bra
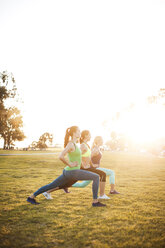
{"x": 87, "y": 153}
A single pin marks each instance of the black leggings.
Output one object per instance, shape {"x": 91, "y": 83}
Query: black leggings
{"x": 102, "y": 174}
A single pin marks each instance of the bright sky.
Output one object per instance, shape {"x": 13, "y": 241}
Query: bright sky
{"x": 78, "y": 62}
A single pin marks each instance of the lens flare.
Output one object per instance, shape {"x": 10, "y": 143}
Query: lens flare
{"x": 143, "y": 123}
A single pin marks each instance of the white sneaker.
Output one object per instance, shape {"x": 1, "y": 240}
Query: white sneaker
{"x": 104, "y": 197}
{"x": 47, "y": 195}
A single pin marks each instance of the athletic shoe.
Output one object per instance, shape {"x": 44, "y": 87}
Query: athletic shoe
{"x": 98, "y": 204}
{"x": 47, "y": 195}
{"x": 104, "y": 197}
{"x": 114, "y": 192}
{"x": 66, "y": 190}
{"x": 32, "y": 201}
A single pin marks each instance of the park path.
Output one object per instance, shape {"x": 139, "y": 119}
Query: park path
{"x": 28, "y": 154}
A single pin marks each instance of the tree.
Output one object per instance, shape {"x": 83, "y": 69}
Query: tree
{"x": 152, "y": 99}
{"x": 112, "y": 144}
{"x": 10, "y": 118}
{"x": 161, "y": 93}
{"x": 121, "y": 142}
{"x": 7, "y": 86}
{"x": 117, "y": 142}
{"x": 33, "y": 145}
{"x": 11, "y": 124}
{"x": 44, "y": 140}
{"x": 4, "y": 94}
{"x": 159, "y": 98}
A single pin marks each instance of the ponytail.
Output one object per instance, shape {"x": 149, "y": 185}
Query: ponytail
{"x": 66, "y": 139}
{"x": 69, "y": 133}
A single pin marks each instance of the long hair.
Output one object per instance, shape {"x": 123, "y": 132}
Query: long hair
{"x": 83, "y": 134}
{"x": 96, "y": 140}
{"x": 69, "y": 133}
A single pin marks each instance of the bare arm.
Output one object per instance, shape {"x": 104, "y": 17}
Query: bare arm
{"x": 85, "y": 163}
{"x": 95, "y": 165}
{"x": 69, "y": 148}
{"x": 83, "y": 148}
{"x": 94, "y": 152}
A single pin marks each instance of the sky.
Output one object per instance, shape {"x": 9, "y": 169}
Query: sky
{"x": 80, "y": 62}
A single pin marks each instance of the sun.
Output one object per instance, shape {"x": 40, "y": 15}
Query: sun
{"x": 143, "y": 124}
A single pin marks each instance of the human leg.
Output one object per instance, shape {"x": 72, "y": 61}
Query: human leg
{"x": 102, "y": 182}
{"x": 73, "y": 184}
{"x": 82, "y": 184}
{"x": 85, "y": 175}
{"x": 64, "y": 187}
{"x": 111, "y": 175}
{"x": 61, "y": 180}
{"x": 102, "y": 188}
{"x": 72, "y": 175}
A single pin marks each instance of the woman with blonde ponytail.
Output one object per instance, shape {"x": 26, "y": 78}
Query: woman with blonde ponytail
{"x": 72, "y": 170}
{"x": 95, "y": 159}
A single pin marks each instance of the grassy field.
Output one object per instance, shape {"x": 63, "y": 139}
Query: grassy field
{"x": 135, "y": 218}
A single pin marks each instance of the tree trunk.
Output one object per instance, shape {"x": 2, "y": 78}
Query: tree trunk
{"x": 4, "y": 146}
{"x": 8, "y": 140}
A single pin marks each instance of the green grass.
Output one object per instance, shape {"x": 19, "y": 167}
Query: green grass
{"x": 135, "y": 218}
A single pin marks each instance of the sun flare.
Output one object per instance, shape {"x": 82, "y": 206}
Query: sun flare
{"x": 143, "y": 123}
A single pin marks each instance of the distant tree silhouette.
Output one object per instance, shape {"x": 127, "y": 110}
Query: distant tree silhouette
{"x": 33, "y": 145}
{"x": 44, "y": 140}
{"x": 117, "y": 142}
{"x": 113, "y": 141}
{"x": 160, "y": 97}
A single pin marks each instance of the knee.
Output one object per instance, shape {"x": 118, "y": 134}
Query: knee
{"x": 103, "y": 178}
{"x": 96, "y": 177}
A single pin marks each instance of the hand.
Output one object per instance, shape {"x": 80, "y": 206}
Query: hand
{"x": 95, "y": 165}
{"x": 73, "y": 164}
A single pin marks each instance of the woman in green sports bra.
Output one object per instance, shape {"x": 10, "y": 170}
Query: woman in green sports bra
{"x": 72, "y": 170}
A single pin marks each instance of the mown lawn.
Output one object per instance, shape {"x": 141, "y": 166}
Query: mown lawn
{"x": 135, "y": 218}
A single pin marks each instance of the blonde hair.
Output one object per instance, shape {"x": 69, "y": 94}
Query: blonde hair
{"x": 96, "y": 140}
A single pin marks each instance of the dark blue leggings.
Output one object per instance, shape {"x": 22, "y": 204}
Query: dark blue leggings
{"x": 70, "y": 175}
